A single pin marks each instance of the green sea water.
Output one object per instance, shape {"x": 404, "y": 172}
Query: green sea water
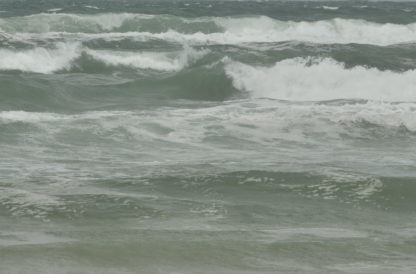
{"x": 207, "y": 137}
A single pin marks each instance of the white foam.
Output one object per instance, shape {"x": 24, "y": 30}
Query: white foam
{"x": 24, "y": 116}
{"x": 21, "y": 202}
{"x": 319, "y": 232}
{"x": 317, "y": 80}
{"x": 91, "y": 7}
{"x": 40, "y": 60}
{"x": 38, "y": 117}
{"x": 256, "y": 121}
{"x": 330, "y": 8}
{"x": 54, "y": 10}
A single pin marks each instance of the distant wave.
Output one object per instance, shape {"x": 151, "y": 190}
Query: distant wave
{"x": 210, "y": 30}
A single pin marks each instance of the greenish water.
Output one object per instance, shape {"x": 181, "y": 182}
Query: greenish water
{"x": 207, "y": 137}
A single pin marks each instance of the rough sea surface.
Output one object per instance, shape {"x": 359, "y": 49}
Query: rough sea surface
{"x": 207, "y": 137}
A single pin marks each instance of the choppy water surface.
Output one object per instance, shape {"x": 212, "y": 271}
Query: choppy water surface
{"x": 207, "y": 137}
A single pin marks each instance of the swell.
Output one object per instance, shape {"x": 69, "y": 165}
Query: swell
{"x": 389, "y": 193}
{"x": 104, "y": 89}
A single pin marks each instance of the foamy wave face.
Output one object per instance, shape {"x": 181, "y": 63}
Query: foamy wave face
{"x": 40, "y": 60}
{"x": 316, "y": 80}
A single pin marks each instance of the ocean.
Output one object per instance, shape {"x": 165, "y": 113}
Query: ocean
{"x": 207, "y": 137}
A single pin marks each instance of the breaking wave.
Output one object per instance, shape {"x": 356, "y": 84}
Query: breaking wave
{"x": 62, "y": 57}
{"x": 146, "y": 60}
{"x": 40, "y": 60}
{"x": 308, "y": 79}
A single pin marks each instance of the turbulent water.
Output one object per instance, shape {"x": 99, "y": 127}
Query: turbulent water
{"x": 207, "y": 137}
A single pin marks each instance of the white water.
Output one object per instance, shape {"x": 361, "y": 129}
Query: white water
{"x": 265, "y": 120}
